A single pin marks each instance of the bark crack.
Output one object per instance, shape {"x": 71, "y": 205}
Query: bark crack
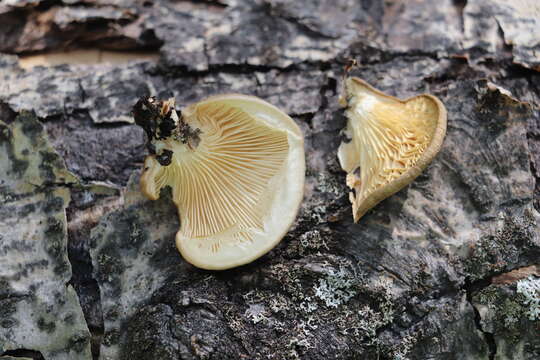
{"x": 24, "y": 353}
{"x": 460, "y": 7}
{"x": 489, "y": 338}
{"x": 80, "y": 223}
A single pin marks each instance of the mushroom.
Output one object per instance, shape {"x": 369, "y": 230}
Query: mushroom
{"x": 236, "y": 167}
{"x": 391, "y": 141}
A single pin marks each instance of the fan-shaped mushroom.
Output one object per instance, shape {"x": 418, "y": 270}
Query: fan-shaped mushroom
{"x": 236, "y": 166}
{"x": 391, "y": 141}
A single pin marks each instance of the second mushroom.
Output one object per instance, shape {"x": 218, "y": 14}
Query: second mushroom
{"x": 391, "y": 141}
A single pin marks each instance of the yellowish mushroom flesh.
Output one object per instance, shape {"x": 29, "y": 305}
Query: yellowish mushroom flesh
{"x": 239, "y": 189}
{"x": 391, "y": 141}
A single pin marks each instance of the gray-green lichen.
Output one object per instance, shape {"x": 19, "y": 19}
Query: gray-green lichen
{"x": 132, "y": 253}
{"x": 529, "y": 289}
{"x": 40, "y": 311}
{"x": 505, "y": 313}
{"x": 513, "y": 241}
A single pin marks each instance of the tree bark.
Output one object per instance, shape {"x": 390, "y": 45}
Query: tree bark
{"x": 444, "y": 269}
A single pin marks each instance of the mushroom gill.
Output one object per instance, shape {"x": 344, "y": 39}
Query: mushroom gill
{"x": 235, "y": 163}
{"x": 391, "y": 142}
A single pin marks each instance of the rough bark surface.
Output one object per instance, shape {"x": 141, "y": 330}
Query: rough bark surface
{"x": 441, "y": 270}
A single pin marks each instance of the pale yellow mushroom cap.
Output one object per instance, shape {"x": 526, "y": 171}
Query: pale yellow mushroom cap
{"x": 391, "y": 141}
{"x": 239, "y": 188}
